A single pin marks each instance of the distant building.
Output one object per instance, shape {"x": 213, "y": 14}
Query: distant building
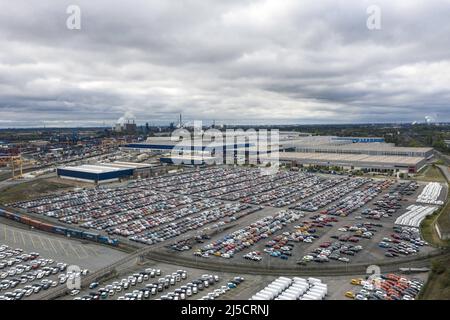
{"x": 351, "y": 145}
{"x": 372, "y": 163}
{"x": 104, "y": 172}
{"x": 447, "y": 142}
{"x": 127, "y": 127}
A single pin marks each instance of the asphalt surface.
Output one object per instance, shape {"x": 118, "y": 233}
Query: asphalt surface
{"x": 445, "y": 170}
{"x": 70, "y": 251}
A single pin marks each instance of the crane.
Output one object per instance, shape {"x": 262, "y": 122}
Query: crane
{"x": 16, "y": 161}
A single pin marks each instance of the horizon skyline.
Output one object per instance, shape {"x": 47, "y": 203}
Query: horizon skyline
{"x": 209, "y": 122}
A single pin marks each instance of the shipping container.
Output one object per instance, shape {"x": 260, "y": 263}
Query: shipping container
{"x": 74, "y": 233}
{"x": 46, "y": 227}
{"x": 34, "y": 223}
{"x": 102, "y": 239}
{"x": 90, "y": 236}
{"x": 13, "y": 216}
{"x": 25, "y": 220}
{"x": 59, "y": 230}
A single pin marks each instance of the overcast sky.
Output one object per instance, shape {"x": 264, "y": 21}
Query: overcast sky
{"x": 289, "y": 61}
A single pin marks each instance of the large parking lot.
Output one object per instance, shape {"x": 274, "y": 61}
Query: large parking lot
{"x": 239, "y": 216}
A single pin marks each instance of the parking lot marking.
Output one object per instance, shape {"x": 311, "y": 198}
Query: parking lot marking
{"x": 53, "y": 245}
{"x": 48, "y": 244}
{"x": 68, "y": 246}
{"x": 22, "y": 234}
{"x": 14, "y": 236}
{"x": 92, "y": 251}
{"x": 83, "y": 249}
{"x": 4, "y": 232}
{"x": 43, "y": 244}
{"x": 63, "y": 248}
{"x": 32, "y": 241}
{"x": 74, "y": 248}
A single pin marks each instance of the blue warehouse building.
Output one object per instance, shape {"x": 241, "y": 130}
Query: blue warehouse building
{"x": 189, "y": 154}
{"x": 95, "y": 173}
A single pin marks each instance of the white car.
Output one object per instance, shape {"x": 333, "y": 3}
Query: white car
{"x": 74, "y": 292}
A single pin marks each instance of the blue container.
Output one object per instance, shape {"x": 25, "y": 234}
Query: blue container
{"x": 102, "y": 239}
{"x": 59, "y": 230}
{"x": 90, "y": 236}
{"x": 74, "y": 233}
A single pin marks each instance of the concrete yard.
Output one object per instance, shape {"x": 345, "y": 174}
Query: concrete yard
{"x": 71, "y": 251}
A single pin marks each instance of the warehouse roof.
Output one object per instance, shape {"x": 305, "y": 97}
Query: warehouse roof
{"x": 351, "y": 158}
{"x": 126, "y": 165}
{"x": 340, "y": 144}
{"x": 94, "y": 168}
{"x": 383, "y": 147}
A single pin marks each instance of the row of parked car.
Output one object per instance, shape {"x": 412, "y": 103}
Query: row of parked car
{"x": 345, "y": 245}
{"x": 123, "y": 210}
{"x": 386, "y": 287}
{"x": 192, "y": 288}
{"x": 357, "y": 199}
{"x": 406, "y": 188}
{"x": 241, "y": 179}
{"x": 75, "y": 202}
{"x": 357, "y": 231}
{"x": 150, "y": 221}
{"x": 321, "y": 200}
{"x": 283, "y": 188}
{"x": 327, "y": 251}
{"x": 391, "y": 202}
{"x": 195, "y": 181}
{"x": 29, "y": 274}
{"x": 110, "y": 290}
{"x": 223, "y": 289}
{"x": 294, "y": 193}
{"x": 281, "y": 246}
{"x": 246, "y": 237}
{"x": 220, "y": 216}
{"x": 10, "y": 256}
{"x": 404, "y": 241}
{"x": 269, "y": 183}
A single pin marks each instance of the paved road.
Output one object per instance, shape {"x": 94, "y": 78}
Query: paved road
{"x": 446, "y": 172}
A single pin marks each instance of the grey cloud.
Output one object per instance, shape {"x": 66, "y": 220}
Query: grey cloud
{"x": 308, "y": 61}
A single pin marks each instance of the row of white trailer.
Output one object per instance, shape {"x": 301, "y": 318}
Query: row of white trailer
{"x": 296, "y": 288}
{"x": 430, "y": 194}
{"x": 414, "y": 216}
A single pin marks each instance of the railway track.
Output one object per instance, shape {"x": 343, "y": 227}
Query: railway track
{"x": 322, "y": 270}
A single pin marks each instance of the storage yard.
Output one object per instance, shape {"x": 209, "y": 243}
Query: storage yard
{"x": 235, "y": 217}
